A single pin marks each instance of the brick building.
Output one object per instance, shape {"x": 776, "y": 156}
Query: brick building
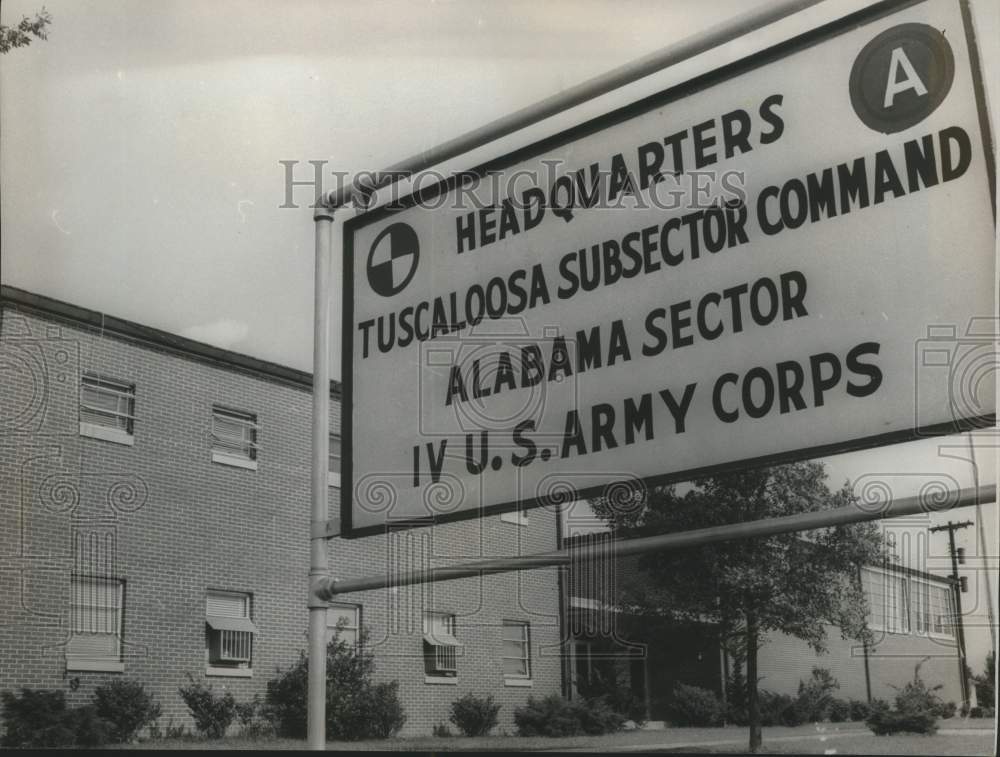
{"x": 154, "y": 517}
{"x": 154, "y": 523}
{"x": 911, "y": 614}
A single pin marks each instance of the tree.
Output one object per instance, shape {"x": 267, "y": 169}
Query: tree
{"x": 795, "y": 583}
{"x": 20, "y": 35}
{"x": 986, "y": 681}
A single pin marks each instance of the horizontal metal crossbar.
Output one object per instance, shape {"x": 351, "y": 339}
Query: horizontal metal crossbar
{"x": 327, "y": 588}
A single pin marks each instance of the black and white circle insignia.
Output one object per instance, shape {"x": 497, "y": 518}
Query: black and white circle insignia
{"x": 901, "y": 76}
{"x": 393, "y": 259}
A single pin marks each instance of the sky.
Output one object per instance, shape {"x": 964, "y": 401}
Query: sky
{"x": 140, "y": 145}
{"x": 141, "y": 142}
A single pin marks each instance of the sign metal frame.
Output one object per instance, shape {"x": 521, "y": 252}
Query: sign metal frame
{"x": 701, "y": 82}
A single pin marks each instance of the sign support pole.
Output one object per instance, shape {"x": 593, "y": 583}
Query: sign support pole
{"x": 318, "y": 565}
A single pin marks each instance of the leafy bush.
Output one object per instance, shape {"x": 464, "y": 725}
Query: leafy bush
{"x": 947, "y": 710}
{"x": 815, "y": 696}
{"x": 840, "y": 711}
{"x": 156, "y": 733}
{"x": 985, "y": 682}
{"x": 737, "y": 715}
{"x": 212, "y": 714}
{"x": 382, "y": 710}
{"x": 253, "y": 720}
{"x": 878, "y": 705}
{"x": 37, "y": 719}
{"x": 126, "y": 707}
{"x": 695, "y": 706}
{"x": 555, "y": 716}
{"x": 474, "y": 716}
{"x": 774, "y": 708}
{"x": 90, "y": 729}
{"x": 42, "y": 719}
{"x": 356, "y": 708}
{"x": 886, "y": 722}
{"x": 916, "y": 696}
{"x": 860, "y": 710}
{"x": 598, "y": 717}
{"x": 607, "y": 683}
{"x": 551, "y": 716}
{"x": 286, "y": 698}
{"x": 440, "y": 730}
{"x": 917, "y": 708}
{"x": 777, "y": 709}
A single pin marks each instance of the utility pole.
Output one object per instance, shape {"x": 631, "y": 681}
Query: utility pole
{"x": 951, "y": 528}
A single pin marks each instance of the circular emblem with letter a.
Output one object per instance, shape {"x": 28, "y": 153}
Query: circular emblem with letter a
{"x": 393, "y": 259}
{"x": 901, "y": 76}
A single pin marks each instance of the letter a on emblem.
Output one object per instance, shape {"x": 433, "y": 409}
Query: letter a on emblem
{"x": 911, "y": 80}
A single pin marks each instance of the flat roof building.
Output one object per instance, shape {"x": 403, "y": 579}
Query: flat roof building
{"x": 154, "y": 522}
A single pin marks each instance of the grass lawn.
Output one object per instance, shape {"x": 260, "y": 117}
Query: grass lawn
{"x": 956, "y": 737}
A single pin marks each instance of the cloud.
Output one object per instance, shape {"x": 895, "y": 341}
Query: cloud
{"x": 223, "y": 333}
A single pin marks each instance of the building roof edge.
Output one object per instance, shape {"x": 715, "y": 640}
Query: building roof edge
{"x": 112, "y": 325}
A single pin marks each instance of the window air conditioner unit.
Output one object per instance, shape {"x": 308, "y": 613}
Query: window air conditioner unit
{"x": 230, "y": 646}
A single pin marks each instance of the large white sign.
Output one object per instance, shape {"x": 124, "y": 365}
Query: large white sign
{"x": 786, "y": 257}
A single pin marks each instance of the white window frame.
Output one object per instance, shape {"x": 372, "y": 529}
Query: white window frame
{"x": 228, "y": 457}
{"x": 516, "y": 517}
{"x": 353, "y": 627}
{"x": 439, "y": 634}
{"x": 243, "y": 625}
{"x": 120, "y": 427}
{"x": 902, "y": 614}
{"x": 333, "y": 476}
{"x": 920, "y": 597}
{"x": 76, "y": 660}
{"x": 516, "y": 679}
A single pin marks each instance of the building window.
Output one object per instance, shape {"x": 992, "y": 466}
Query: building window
{"x": 440, "y": 648}
{"x": 932, "y": 609}
{"x": 343, "y": 622}
{"x": 229, "y": 633}
{"x": 888, "y": 600}
{"x": 234, "y": 438}
{"x": 333, "y": 474}
{"x": 95, "y": 624}
{"x": 516, "y": 650}
{"x": 107, "y": 409}
{"x": 517, "y": 517}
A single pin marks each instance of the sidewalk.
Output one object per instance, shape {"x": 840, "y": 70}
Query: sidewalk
{"x": 820, "y": 738}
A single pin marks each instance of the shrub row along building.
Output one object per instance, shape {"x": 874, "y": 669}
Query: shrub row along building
{"x": 154, "y": 523}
